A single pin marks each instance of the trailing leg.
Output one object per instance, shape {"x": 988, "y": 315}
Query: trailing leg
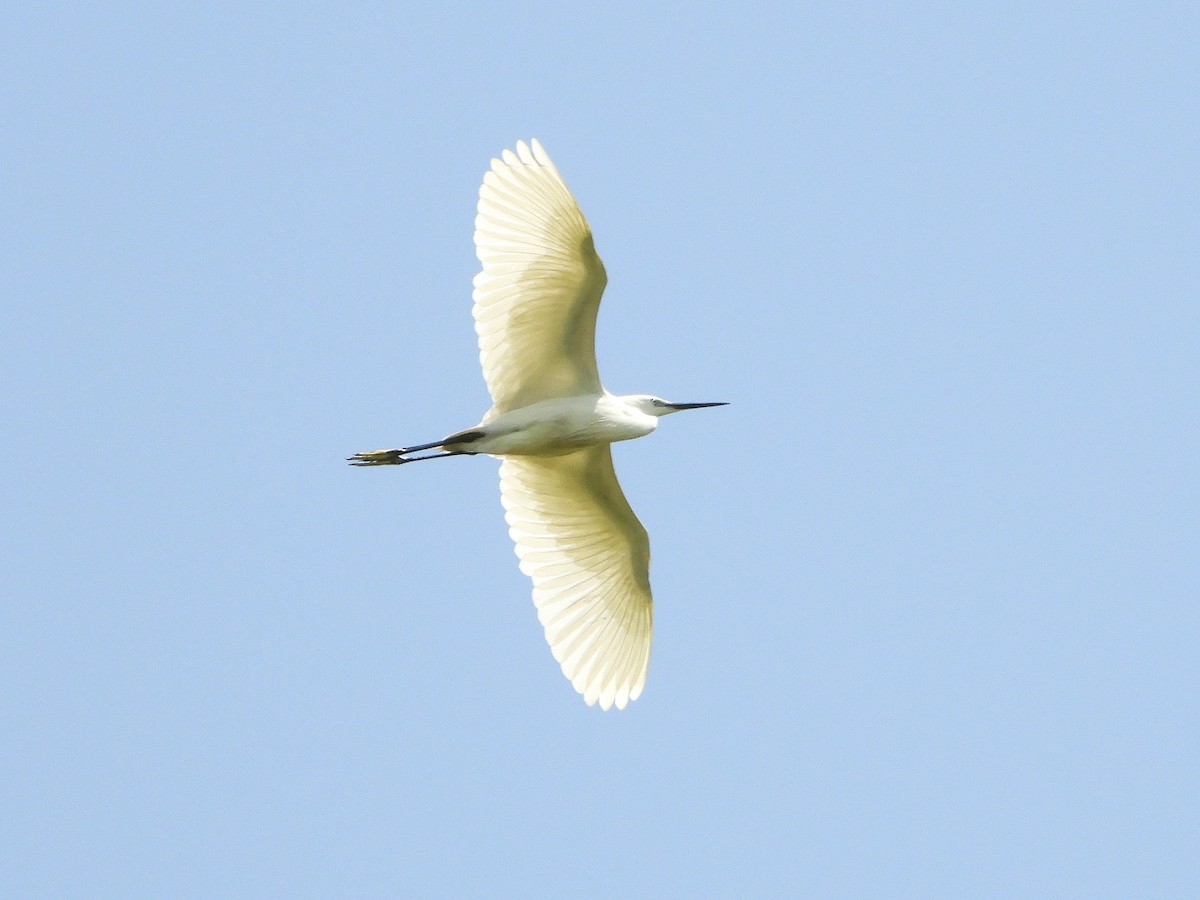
{"x": 403, "y": 455}
{"x": 397, "y": 457}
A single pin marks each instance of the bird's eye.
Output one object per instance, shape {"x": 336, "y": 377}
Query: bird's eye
{"x": 658, "y": 402}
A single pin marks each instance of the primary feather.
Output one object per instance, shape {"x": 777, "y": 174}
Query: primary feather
{"x": 589, "y": 557}
{"x": 537, "y": 293}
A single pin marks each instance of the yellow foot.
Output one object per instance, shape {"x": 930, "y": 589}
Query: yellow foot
{"x": 378, "y": 458}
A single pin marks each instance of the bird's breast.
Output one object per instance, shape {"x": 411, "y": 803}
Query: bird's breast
{"x": 555, "y": 427}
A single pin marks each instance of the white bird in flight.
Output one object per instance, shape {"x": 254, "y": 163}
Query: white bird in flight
{"x": 552, "y": 422}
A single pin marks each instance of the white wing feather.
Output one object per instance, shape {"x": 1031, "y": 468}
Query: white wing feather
{"x": 537, "y": 294}
{"x": 589, "y": 557}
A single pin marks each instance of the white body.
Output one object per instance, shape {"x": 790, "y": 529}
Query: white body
{"x": 560, "y": 425}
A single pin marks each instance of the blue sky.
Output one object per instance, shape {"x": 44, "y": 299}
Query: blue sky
{"x": 926, "y": 592}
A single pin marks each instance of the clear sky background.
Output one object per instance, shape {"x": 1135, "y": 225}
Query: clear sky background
{"x": 927, "y": 619}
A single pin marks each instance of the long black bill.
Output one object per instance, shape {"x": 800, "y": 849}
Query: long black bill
{"x": 694, "y": 405}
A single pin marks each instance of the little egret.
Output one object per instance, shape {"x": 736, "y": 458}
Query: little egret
{"x": 552, "y": 424}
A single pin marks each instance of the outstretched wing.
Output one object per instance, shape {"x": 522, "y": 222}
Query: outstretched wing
{"x": 537, "y": 294}
{"x": 589, "y": 558}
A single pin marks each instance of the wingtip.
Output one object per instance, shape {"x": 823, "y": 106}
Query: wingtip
{"x": 530, "y": 153}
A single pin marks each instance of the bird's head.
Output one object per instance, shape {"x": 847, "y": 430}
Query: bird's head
{"x": 657, "y": 406}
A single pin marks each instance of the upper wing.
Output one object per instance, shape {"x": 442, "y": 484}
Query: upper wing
{"x": 537, "y": 294}
{"x": 589, "y": 558}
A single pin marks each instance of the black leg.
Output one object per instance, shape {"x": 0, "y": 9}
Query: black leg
{"x": 408, "y": 459}
{"x": 404, "y": 451}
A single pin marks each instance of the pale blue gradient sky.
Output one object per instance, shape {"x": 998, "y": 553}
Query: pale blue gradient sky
{"x": 927, "y": 618}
